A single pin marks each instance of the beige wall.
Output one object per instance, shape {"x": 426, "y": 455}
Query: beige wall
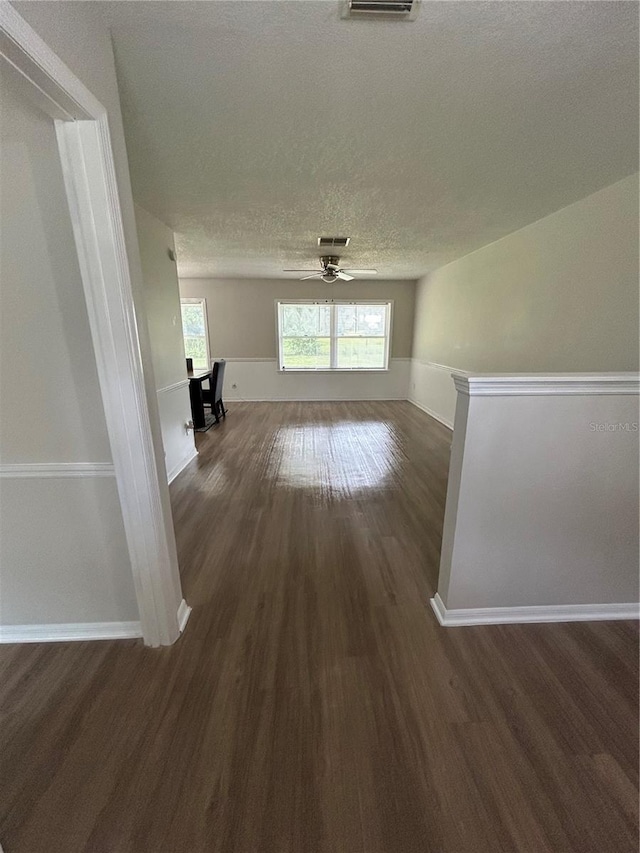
{"x": 63, "y": 551}
{"x": 558, "y": 295}
{"x": 78, "y": 35}
{"x": 51, "y": 405}
{"x": 242, "y": 318}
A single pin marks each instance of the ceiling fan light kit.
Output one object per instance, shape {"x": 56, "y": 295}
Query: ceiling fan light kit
{"x": 332, "y": 271}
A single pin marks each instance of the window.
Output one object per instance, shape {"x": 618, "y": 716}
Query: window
{"x": 194, "y": 331}
{"x": 334, "y": 335}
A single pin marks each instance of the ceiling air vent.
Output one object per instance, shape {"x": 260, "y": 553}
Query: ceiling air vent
{"x": 404, "y": 9}
{"x": 333, "y": 242}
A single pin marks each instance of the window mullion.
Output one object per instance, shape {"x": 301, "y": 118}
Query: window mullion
{"x": 334, "y": 342}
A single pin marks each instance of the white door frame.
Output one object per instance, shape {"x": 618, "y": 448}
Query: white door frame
{"x": 84, "y": 143}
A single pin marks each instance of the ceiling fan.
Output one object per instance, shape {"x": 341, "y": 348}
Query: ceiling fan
{"x": 332, "y": 271}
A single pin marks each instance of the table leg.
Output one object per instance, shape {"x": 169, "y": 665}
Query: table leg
{"x": 197, "y": 404}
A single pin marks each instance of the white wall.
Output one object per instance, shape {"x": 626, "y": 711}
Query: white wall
{"x": 162, "y": 303}
{"x": 542, "y": 504}
{"x": 260, "y": 379}
{"x": 431, "y": 388}
{"x": 560, "y": 295}
{"x": 242, "y": 328}
{"x": 63, "y": 552}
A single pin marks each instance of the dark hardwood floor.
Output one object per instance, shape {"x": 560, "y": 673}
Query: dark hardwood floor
{"x": 314, "y": 705}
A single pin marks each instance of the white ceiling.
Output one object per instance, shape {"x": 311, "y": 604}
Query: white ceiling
{"x": 254, "y": 127}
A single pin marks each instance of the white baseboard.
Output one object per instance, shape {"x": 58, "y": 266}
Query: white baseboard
{"x": 55, "y": 470}
{"x": 431, "y": 413}
{"x": 538, "y": 613}
{"x": 63, "y": 633}
{"x": 184, "y": 611}
{"x": 171, "y": 475}
{"x": 229, "y": 399}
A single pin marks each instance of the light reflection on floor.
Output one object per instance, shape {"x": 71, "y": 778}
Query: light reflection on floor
{"x": 341, "y": 459}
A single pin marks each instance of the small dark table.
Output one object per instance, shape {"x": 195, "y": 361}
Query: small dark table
{"x": 201, "y": 420}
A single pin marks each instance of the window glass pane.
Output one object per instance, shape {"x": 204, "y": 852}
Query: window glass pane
{"x": 346, "y": 320}
{"x": 192, "y": 319}
{"x": 372, "y": 319}
{"x": 305, "y": 320}
{"x": 361, "y": 352}
{"x": 196, "y": 349}
{"x": 306, "y": 353}
{"x": 365, "y": 320}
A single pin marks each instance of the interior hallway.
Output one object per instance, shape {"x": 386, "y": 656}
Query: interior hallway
{"x": 314, "y": 705}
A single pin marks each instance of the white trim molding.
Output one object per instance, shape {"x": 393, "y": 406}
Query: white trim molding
{"x": 58, "y": 89}
{"x": 70, "y": 632}
{"x": 184, "y": 611}
{"x": 547, "y": 384}
{"x": 227, "y": 360}
{"x": 177, "y": 469}
{"x": 446, "y": 367}
{"x": 89, "y": 173}
{"x": 55, "y": 470}
{"x": 432, "y": 414}
{"x": 88, "y": 169}
{"x": 315, "y": 399}
{"x": 173, "y": 387}
{"x": 540, "y": 613}
{"x": 257, "y": 358}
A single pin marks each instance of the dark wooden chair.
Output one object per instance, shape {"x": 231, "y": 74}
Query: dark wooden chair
{"x": 213, "y": 396}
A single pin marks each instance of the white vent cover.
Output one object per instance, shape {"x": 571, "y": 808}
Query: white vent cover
{"x": 404, "y": 9}
{"x": 333, "y": 242}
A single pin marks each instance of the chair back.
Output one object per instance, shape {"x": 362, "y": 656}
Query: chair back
{"x": 217, "y": 378}
{"x": 213, "y": 377}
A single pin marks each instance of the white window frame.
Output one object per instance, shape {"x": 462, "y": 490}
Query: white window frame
{"x": 333, "y": 337}
{"x": 197, "y": 300}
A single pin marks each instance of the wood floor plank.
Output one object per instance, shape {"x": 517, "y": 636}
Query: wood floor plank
{"x": 314, "y": 705}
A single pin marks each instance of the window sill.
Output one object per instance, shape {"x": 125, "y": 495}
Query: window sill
{"x": 333, "y": 370}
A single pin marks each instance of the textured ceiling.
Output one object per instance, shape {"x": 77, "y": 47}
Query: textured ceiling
{"x": 254, "y": 127}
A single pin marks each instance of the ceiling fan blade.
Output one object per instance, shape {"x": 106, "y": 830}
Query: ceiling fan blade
{"x": 342, "y": 274}
{"x": 362, "y": 272}
{"x": 313, "y": 275}
{"x": 307, "y": 270}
